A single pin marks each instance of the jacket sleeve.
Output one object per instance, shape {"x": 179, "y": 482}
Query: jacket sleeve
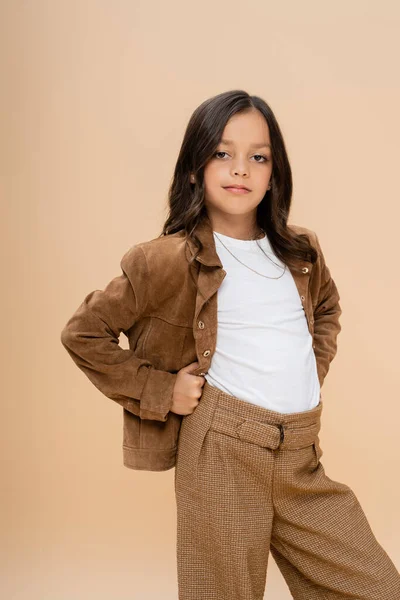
{"x": 327, "y": 312}
{"x": 91, "y": 338}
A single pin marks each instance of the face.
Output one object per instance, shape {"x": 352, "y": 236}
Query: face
{"x": 243, "y": 157}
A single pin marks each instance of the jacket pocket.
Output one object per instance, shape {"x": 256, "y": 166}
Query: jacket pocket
{"x": 164, "y": 343}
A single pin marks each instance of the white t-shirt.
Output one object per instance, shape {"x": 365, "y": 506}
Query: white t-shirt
{"x": 264, "y": 352}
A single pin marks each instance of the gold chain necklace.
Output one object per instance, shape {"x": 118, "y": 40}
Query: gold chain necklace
{"x": 254, "y": 271}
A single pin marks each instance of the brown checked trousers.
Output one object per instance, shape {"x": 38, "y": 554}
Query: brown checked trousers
{"x": 248, "y": 481}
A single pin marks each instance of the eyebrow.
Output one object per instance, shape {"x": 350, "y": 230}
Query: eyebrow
{"x": 262, "y": 145}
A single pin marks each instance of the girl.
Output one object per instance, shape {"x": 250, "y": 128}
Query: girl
{"x": 232, "y": 317}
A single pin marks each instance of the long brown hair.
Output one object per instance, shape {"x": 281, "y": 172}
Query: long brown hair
{"x": 201, "y": 139}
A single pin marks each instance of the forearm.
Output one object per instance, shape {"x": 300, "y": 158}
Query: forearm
{"x": 91, "y": 337}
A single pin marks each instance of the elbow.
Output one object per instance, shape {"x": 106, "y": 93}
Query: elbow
{"x": 66, "y": 336}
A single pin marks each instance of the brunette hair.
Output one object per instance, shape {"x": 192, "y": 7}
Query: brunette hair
{"x": 202, "y": 136}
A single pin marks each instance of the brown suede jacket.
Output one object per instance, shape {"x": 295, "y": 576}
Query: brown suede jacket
{"x": 170, "y": 323}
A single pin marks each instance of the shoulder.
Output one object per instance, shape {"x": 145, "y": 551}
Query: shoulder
{"x": 157, "y": 252}
{"x": 301, "y": 229}
{"x": 169, "y": 246}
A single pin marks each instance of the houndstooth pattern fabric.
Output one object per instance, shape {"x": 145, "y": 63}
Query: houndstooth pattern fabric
{"x": 249, "y": 481}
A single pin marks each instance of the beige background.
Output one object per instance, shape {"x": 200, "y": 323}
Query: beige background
{"x": 95, "y": 99}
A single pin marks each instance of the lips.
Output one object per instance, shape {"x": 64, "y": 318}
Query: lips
{"x": 237, "y": 189}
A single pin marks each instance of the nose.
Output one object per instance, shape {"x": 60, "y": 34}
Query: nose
{"x": 239, "y": 166}
{"x": 240, "y": 170}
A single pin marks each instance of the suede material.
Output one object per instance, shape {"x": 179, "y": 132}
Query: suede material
{"x": 171, "y": 322}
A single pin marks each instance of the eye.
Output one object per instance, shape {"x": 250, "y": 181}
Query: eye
{"x": 262, "y": 156}
{"x": 266, "y": 159}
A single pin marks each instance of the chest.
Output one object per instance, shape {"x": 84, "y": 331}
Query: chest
{"x": 181, "y": 324}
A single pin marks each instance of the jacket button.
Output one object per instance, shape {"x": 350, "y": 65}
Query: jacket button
{"x": 311, "y": 321}
{"x": 302, "y": 297}
{"x": 201, "y": 374}
{"x": 206, "y": 352}
{"x": 313, "y": 345}
{"x": 200, "y": 324}
{"x": 305, "y": 269}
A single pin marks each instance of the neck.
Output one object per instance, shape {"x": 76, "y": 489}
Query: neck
{"x": 245, "y": 228}
{"x": 238, "y": 236}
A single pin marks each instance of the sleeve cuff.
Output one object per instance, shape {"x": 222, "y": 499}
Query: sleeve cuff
{"x": 156, "y": 397}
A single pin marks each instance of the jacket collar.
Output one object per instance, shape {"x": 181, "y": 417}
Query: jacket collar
{"x": 208, "y": 255}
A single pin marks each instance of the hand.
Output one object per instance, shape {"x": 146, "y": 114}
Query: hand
{"x": 187, "y": 390}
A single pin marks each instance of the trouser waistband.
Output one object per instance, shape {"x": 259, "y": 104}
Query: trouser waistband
{"x": 255, "y": 424}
